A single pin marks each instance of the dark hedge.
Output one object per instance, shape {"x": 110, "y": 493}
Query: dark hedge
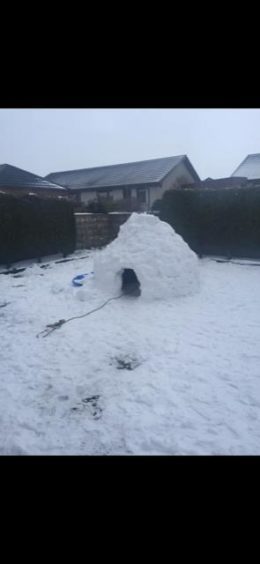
{"x": 32, "y": 227}
{"x": 215, "y": 222}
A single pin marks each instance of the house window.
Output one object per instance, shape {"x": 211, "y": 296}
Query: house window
{"x": 104, "y": 194}
{"x": 127, "y": 193}
{"x": 141, "y": 196}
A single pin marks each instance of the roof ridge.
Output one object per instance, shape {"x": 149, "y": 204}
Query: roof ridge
{"x": 113, "y": 165}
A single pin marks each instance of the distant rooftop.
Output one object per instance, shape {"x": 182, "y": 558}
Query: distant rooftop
{"x": 219, "y": 183}
{"x": 14, "y": 177}
{"x": 250, "y": 167}
{"x": 127, "y": 174}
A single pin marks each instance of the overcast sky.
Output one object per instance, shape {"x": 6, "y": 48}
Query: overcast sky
{"x": 44, "y": 141}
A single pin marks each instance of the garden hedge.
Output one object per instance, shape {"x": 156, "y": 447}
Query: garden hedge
{"x": 215, "y": 222}
{"x": 32, "y": 227}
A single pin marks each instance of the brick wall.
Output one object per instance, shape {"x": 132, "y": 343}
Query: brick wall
{"x": 94, "y": 230}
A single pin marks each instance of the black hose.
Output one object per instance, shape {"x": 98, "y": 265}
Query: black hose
{"x": 53, "y": 326}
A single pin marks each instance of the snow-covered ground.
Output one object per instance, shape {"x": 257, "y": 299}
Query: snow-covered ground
{"x": 194, "y": 386}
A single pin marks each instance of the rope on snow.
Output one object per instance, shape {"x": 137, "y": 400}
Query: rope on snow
{"x": 5, "y": 304}
{"x": 52, "y": 326}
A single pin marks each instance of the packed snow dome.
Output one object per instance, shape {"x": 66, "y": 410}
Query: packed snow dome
{"x": 148, "y": 260}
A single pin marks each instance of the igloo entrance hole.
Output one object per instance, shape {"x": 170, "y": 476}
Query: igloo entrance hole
{"x": 130, "y": 283}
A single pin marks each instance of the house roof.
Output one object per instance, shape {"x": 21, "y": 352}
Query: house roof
{"x": 250, "y": 167}
{"x": 127, "y": 174}
{"x": 14, "y": 177}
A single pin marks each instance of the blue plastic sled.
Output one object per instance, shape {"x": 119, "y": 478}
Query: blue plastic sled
{"x": 79, "y": 280}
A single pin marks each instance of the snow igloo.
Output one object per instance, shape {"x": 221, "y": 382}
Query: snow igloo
{"x": 149, "y": 260}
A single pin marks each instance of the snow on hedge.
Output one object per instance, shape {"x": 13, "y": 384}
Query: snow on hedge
{"x": 163, "y": 263}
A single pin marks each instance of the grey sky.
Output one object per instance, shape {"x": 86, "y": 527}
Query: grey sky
{"x": 44, "y": 141}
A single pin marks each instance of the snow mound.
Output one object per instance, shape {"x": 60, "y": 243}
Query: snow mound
{"x": 163, "y": 263}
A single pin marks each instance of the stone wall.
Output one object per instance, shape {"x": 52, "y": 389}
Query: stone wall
{"x": 95, "y": 230}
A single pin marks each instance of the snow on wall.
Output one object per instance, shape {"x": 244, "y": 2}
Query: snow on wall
{"x": 164, "y": 264}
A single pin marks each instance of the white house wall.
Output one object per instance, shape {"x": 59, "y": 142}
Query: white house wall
{"x": 156, "y": 193}
{"x": 180, "y": 175}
